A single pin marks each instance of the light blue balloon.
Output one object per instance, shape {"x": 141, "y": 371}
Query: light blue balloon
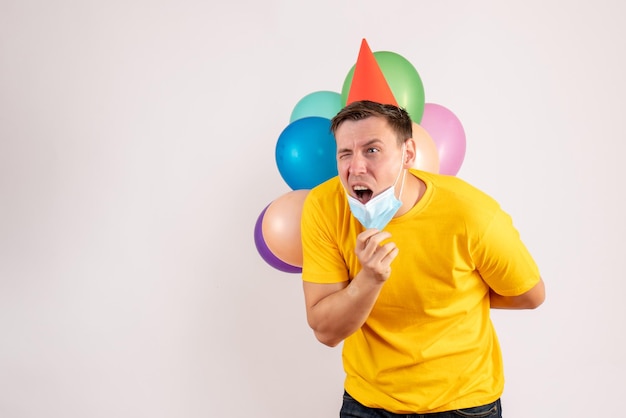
{"x": 325, "y": 104}
{"x": 306, "y": 153}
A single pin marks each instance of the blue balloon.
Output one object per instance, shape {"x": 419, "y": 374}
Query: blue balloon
{"x": 306, "y": 153}
{"x": 325, "y": 104}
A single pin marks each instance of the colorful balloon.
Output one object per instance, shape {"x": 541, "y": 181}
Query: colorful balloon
{"x": 447, "y": 132}
{"x": 306, "y": 153}
{"x": 265, "y": 253}
{"x": 325, "y": 104}
{"x": 281, "y": 227}
{"x": 403, "y": 79}
{"x": 426, "y": 158}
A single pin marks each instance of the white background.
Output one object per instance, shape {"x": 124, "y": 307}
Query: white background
{"x": 137, "y": 147}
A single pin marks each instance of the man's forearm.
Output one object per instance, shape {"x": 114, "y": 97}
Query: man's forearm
{"x": 340, "y": 314}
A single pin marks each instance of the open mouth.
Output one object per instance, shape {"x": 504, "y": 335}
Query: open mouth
{"x": 362, "y": 193}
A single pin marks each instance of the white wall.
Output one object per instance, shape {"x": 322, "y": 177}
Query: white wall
{"x": 137, "y": 150}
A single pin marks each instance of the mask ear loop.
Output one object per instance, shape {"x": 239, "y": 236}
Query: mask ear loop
{"x": 402, "y": 185}
{"x": 403, "y": 172}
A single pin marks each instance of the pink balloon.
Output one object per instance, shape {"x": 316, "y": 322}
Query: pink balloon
{"x": 448, "y": 134}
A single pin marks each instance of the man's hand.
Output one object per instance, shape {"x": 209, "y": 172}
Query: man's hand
{"x": 337, "y": 310}
{"x": 375, "y": 258}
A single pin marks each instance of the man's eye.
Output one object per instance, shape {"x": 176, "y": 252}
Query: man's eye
{"x": 372, "y": 150}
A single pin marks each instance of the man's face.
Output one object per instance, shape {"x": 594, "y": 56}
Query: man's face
{"x": 369, "y": 158}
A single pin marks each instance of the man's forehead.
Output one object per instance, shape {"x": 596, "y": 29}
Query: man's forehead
{"x": 354, "y": 143}
{"x": 371, "y": 126}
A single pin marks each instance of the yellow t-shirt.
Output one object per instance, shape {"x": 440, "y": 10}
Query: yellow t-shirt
{"x": 429, "y": 343}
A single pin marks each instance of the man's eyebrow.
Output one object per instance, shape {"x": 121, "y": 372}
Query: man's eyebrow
{"x": 365, "y": 145}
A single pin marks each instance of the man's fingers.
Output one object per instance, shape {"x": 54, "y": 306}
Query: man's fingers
{"x": 373, "y": 255}
{"x": 371, "y": 238}
{"x": 390, "y": 253}
{"x": 380, "y": 258}
{"x": 363, "y": 238}
{"x": 384, "y": 254}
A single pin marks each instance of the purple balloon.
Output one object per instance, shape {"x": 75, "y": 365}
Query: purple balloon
{"x": 266, "y": 253}
{"x": 448, "y": 135}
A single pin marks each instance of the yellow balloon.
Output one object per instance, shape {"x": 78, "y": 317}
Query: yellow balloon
{"x": 426, "y": 154}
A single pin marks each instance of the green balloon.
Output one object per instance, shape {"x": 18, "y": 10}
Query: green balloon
{"x": 403, "y": 79}
{"x": 325, "y": 104}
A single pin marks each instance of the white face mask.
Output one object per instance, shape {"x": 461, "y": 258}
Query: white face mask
{"x": 380, "y": 210}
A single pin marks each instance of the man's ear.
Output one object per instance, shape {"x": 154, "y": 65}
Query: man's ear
{"x": 409, "y": 153}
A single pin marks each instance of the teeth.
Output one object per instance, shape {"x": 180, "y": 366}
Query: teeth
{"x": 360, "y": 188}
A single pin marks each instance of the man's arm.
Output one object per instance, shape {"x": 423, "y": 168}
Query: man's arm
{"x": 528, "y": 300}
{"x": 335, "y": 311}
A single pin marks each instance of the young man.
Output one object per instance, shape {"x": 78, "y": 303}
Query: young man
{"x": 403, "y": 266}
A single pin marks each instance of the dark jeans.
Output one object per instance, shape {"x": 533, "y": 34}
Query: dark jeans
{"x": 353, "y": 409}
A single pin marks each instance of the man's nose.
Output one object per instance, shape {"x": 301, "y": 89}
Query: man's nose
{"x": 357, "y": 164}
